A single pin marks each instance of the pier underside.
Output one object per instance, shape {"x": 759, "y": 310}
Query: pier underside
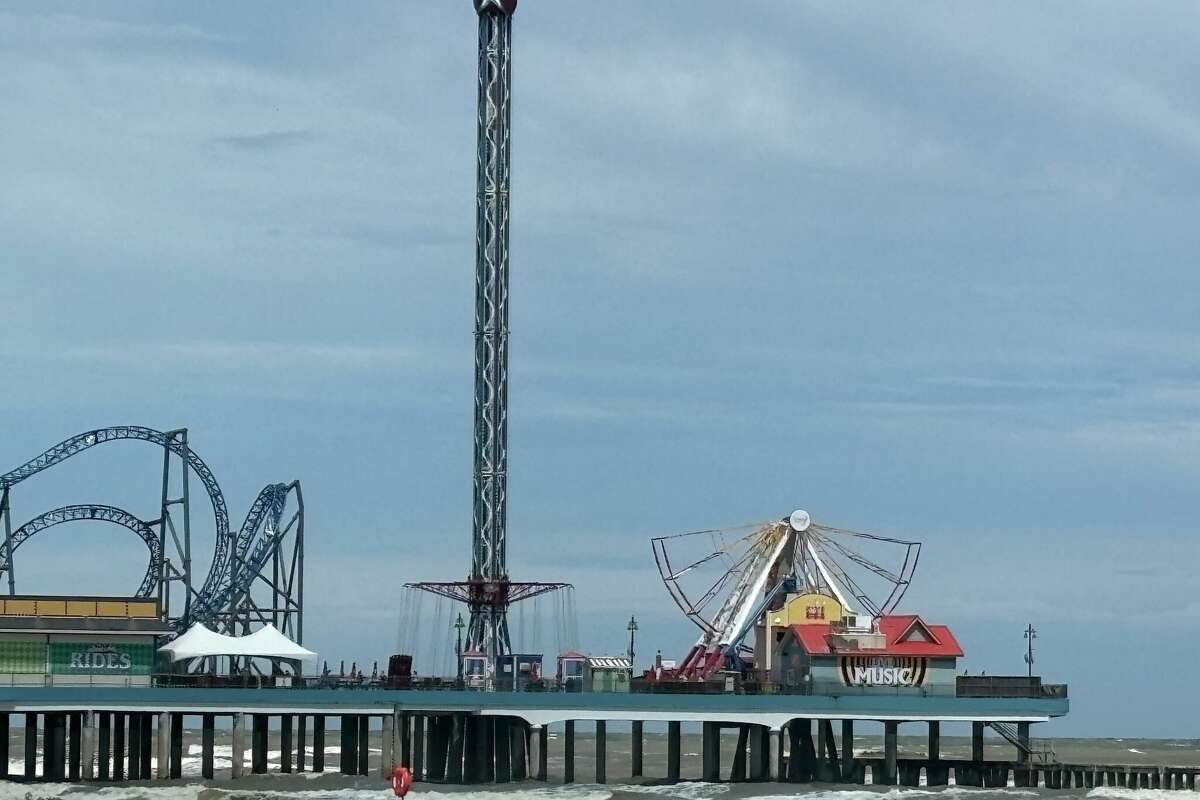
{"x": 111, "y": 734}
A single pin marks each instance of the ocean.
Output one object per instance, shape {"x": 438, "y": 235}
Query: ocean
{"x": 333, "y": 786}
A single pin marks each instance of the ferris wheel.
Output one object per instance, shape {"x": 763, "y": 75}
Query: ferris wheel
{"x": 725, "y": 580}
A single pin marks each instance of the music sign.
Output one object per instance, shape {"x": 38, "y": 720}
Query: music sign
{"x": 883, "y": 670}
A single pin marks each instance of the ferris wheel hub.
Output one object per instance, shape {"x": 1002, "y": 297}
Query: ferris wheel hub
{"x": 799, "y": 520}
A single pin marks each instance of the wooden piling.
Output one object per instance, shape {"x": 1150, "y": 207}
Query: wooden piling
{"x": 710, "y": 749}
{"x": 635, "y": 749}
{"x": 673, "y": 751}
{"x": 569, "y": 751}
{"x": 208, "y": 723}
{"x": 319, "y": 743}
{"x": 285, "y": 743}
{"x": 258, "y": 743}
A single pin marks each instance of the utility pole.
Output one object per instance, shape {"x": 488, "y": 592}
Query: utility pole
{"x": 1030, "y": 635}
{"x": 458, "y": 627}
{"x": 632, "y": 628}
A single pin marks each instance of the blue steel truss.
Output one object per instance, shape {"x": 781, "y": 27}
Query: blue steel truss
{"x": 102, "y": 513}
{"x": 241, "y": 561}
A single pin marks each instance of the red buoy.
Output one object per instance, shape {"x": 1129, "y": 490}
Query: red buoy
{"x": 401, "y": 781}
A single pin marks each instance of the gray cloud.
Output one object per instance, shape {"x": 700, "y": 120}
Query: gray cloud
{"x": 928, "y": 274}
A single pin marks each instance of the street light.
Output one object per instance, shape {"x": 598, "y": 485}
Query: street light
{"x": 458, "y": 627}
{"x": 1030, "y": 635}
{"x": 632, "y": 628}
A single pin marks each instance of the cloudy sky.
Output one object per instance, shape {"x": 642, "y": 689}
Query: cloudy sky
{"x": 926, "y": 271}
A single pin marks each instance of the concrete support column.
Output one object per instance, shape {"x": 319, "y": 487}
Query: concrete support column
{"x": 301, "y": 742}
{"x": 889, "y": 752}
{"x": 520, "y": 749}
{"x": 239, "y": 746}
{"x": 635, "y": 749}
{"x": 711, "y": 752}
{"x": 760, "y": 753}
{"x": 364, "y": 744}
{"x": 569, "y": 751}
{"x": 737, "y": 770}
{"x": 977, "y": 742}
{"x": 386, "y": 757}
{"x": 258, "y": 743}
{"x": 802, "y": 754}
{"x": 601, "y": 751}
{"x": 163, "y": 746}
{"x": 848, "y": 771}
{"x": 827, "y": 756}
{"x": 934, "y": 750}
{"x": 54, "y": 747}
{"x": 1023, "y": 740}
{"x": 75, "y": 744}
{"x": 104, "y": 748}
{"x": 435, "y": 749}
{"x": 673, "y": 751}
{"x": 119, "y": 747}
{"x": 285, "y": 743}
{"x": 487, "y": 734}
{"x": 456, "y": 751}
{"x": 176, "y": 760}
{"x": 147, "y": 744}
{"x": 208, "y": 726}
{"x": 4, "y": 734}
{"x": 405, "y": 739}
{"x": 348, "y": 744}
{"x": 780, "y": 754}
{"x": 87, "y": 744}
{"x": 31, "y": 748}
{"x": 418, "y": 753}
{"x": 319, "y": 743}
{"x": 134, "y": 744}
{"x": 543, "y": 752}
{"x": 502, "y": 738}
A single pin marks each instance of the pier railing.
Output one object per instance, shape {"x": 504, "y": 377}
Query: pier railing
{"x": 1007, "y": 686}
{"x": 966, "y": 686}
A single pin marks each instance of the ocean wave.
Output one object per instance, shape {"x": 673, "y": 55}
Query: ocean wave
{"x": 898, "y": 793}
{"x": 1123, "y": 793}
{"x": 689, "y": 790}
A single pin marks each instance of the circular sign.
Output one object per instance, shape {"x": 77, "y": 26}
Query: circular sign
{"x": 799, "y": 520}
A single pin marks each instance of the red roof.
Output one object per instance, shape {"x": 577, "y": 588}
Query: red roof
{"x": 904, "y": 634}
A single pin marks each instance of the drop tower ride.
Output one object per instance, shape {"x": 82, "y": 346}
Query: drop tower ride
{"x": 488, "y": 592}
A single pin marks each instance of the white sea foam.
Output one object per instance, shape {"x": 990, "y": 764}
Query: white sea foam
{"x": 1135, "y": 750}
{"x": 687, "y": 791}
{"x": 1123, "y": 793}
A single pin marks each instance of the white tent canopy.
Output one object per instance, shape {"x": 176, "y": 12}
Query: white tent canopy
{"x": 200, "y": 642}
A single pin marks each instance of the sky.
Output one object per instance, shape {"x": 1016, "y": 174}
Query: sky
{"x": 927, "y": 271}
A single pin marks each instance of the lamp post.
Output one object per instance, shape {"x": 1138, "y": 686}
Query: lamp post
{"x": 458, "y": 627}
{"x": 1030, "y": 635}
{"x": 632, "y": 628}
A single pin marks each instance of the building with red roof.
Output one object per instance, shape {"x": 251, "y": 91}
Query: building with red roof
{"x": 898, "y": 654}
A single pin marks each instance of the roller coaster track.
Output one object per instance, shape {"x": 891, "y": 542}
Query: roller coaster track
{"x": 237, "y": 559}
{"x": 117, "y": 516}
{"x": 259, "y": 535}
{"x": 89, "y": 439}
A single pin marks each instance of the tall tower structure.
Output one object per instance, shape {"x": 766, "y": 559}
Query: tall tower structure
{"x": 488, "y": 592}
{"x": 488, "y": 627}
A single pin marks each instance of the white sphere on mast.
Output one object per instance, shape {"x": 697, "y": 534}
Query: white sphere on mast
{"x": 799, "y": 520}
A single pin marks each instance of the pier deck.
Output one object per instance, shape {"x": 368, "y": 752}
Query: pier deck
{"x": 113, "y": 733}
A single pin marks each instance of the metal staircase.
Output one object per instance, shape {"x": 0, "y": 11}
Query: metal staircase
{"x": 1040, "y": 751}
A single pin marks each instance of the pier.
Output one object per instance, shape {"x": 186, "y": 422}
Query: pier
{"x": 465, "y": 737}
